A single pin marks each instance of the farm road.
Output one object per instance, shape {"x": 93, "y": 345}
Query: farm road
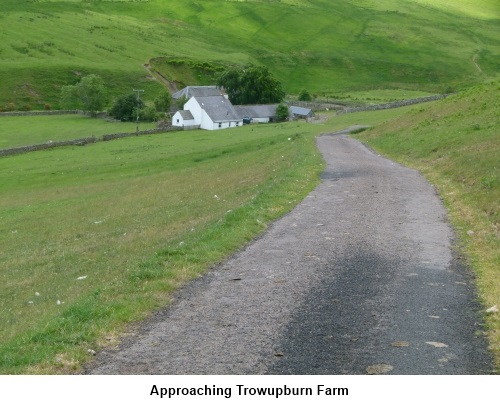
{"x": 359, "y": 278}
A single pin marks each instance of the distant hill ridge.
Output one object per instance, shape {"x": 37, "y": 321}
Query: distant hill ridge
{"x": 330, "y": 48}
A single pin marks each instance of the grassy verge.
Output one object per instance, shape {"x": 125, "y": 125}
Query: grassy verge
{"x": 455, "y": 143}
{"x": 97, "y": 237}
{"x": 32, "y": 130}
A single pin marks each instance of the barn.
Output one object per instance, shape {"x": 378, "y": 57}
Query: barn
{"x": 257, "y": 113}
{"x": 301, "y": 113}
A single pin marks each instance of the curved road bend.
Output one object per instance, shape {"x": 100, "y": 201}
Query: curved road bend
{"x": 359, "y": 278}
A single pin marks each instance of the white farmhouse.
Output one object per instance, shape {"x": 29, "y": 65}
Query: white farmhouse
{"x": 208, "y": 108}
{"x": 210, "y": 112}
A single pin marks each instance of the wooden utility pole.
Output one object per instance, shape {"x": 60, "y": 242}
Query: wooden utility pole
{"x": 137, "y": 109}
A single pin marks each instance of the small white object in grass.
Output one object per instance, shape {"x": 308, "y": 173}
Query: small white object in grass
{"x": 82, "y": 278}
{"x": 37, "y": 294}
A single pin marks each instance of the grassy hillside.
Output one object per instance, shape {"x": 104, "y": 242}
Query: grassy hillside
{"x": 456, "y": 144}
{"x": 331, "y": 48}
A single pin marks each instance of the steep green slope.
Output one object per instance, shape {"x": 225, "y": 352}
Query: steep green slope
{"x": 327, "y": 47}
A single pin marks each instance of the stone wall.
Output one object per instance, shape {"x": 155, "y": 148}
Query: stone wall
{"x": 29, "y": 113}
{"x": 48, "y": 145}
{"x": 394, "y": 104}
{"x": 129, "y": 134}
{"x": 316, "y": 105}
{"x": 78, "y": 142}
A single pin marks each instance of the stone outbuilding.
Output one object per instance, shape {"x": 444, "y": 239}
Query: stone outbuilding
{"x": 301, "y": 113}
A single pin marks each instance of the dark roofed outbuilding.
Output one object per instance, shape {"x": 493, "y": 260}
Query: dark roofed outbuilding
{"x": 257, "y": 113}
{"x": 197, "y": 91}
{"x": 301, "y": 112}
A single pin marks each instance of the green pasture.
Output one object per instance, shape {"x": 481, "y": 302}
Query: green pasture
{"x": 330, "y": 48}
{"x": 95, "y": 237}
{"x": 98, "y": 236}
{"x": 32, "y": 130}
{"x": 455, "y": 143}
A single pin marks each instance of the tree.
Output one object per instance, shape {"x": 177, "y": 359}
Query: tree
{"x": 181, "y": 101}
{"x": 305, "y": 95}
{"x": 125, "y": 108}
{"x": 149, "y": 114}
{"x": 251, "y": 85}
{"x": 89, "y": 94}
{"x": 163, "y": 101}
{"x": 282, "y": 112}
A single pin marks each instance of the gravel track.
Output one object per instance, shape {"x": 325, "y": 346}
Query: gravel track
{"x": 359, "y": 278}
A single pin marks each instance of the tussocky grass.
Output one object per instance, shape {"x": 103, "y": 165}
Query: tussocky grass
{"x": 455, "y": 143}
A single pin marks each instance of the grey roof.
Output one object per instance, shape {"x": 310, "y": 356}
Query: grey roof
{"x": 186, "y": 115}
{"x": 197, "y": 91}
{"x": 219, "y": 108}
{"x": 300, "y": 110}
{"x": 257, "y": 111}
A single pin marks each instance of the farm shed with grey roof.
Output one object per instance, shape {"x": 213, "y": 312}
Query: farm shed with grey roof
{"x": 257, "y": 113}
{"x": 197, "y": 91}
{"x": 301, "y": 112}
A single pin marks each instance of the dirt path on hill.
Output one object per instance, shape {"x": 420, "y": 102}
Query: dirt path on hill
{"x": 474, "y": 61}
{"x": 359, "y": 278}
